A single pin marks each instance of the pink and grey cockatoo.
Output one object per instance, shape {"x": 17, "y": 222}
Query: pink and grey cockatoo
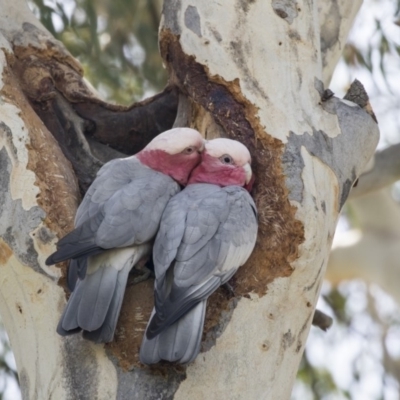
{"x": 114, "y": 227}
{"x": 207, "y": 232}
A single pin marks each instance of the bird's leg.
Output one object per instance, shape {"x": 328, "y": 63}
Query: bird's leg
{"x": 143, "y": 277}
{"x": 228, "y": 287}
{"x": 142, "y": 272}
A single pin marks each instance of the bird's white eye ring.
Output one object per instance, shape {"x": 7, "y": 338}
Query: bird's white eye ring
{"x": 226, "y": 159}
{"x": 189, "y": 150}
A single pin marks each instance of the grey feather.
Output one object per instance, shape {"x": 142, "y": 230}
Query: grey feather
{"x": 206, "y": 234}
{"x": 77, "y": 269}
{"x": 122, "y": 207}
{"x": 115, "y": 223}
{"x": 95, "y": 304}
{"x": 68, "y": 321}
{"x": 80, "y": 311}
{"x": 180, "y": 342}
{"x": 178, "y": 303}
{"x": 98, "y": 290}
{"x": 73, "y": 272}
{"x": 105, "y": 333}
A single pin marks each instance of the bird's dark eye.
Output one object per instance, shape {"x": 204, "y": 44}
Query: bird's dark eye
{"x": 188, "y": 150}
{"x": 226, "y": 159}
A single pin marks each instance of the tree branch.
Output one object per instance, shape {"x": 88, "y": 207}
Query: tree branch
{"x": 371, "y": 250}
{"x": 68, "y": 129}
{"x": 322, "y": 320}
{"x": 385, "y": 172}
{"x": 129, "y": 129}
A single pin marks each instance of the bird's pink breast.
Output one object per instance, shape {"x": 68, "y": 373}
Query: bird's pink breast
{"x": 178, "y": 166}
{"x": 211, "y": 170}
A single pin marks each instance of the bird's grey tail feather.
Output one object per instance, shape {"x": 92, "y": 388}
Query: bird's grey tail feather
{"x": 72, "y": 274}
{"x": 105, "y": 333}
{"x": 68, "y": 321}
{"x": 179, "y": 342}
{"x": 89, "y": 302}
{"x": 172, "y": 309}
{"x": 95, "y": 303}
{"x": 77, "y": 269}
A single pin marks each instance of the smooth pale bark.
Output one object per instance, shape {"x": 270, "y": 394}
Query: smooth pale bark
{"x": 266, "y": 57}
{"x": 335, "y": 18}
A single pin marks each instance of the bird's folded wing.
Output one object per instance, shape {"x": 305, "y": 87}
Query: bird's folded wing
{"x": 214, "y": 232}
{"x": 122, "y": 207}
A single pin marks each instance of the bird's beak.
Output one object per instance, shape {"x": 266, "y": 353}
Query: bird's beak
{"x": 249, "y": 173}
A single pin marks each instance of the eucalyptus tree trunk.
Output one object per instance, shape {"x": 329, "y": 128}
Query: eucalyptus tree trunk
{"x": 251, "y": 71}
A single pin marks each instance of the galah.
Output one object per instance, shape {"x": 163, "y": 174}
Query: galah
{"x": 207, "y": 232}
{"x": 115, "y": 225}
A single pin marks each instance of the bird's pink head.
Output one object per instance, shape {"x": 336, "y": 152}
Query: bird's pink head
{"x": 224, "y": 162}
{"x": 175, "y": 153}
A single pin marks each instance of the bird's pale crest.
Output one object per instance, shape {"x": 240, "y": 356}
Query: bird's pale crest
{"x": 176, "y": 140}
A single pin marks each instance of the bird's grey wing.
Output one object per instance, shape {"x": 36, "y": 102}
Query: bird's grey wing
{"x": 170, "y": 233}
{"x": 238, "y": 234}
{"x": 81, "y": 241}
{"x": 184, "y": 222}
{"x": 108, "y": 180}
{"x": 219, "y": 236}
{"x": 133, "y": 214}
{"x": 123, "y": 208}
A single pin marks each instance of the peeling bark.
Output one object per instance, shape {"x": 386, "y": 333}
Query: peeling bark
{"x": 307, "y": 148}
